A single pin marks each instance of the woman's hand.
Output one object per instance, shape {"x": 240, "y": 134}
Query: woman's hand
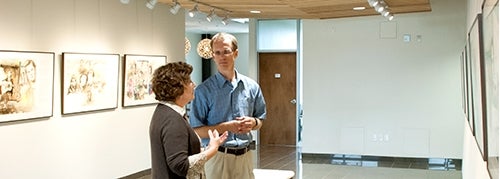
{"x": 215, "y": 139}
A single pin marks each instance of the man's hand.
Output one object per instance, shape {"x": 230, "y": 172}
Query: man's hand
{"x": 245, "y": 124}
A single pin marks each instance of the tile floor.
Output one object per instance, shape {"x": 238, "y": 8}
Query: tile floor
{"x": 329, "y": 171}
{"x": 314, "y": 166}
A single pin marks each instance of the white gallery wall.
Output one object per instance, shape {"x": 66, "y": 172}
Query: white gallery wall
{"x": 368, "y": 92}
{"x": 365, "y": 90}
{"x": 473, "y": 165}
{"x": 100, "y": 144}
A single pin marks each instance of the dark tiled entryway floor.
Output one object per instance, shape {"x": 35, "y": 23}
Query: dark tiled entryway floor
{"x": 314, "y": 166}
{"x": 323, "y": 166}
{"x": 389, "y": 162}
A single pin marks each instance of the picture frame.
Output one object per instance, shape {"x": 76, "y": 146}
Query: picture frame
{"x": 463, "y": 83}
{"x": 138, "y": 71}
{"x": 468, "y": 81}
{"x": 26, "y": 85}
{"x": 491, "y": 71}
{"x": 478, "y": 84}
{"x": 89, "y": 82}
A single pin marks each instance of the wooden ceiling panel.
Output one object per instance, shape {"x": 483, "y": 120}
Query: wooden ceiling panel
{"x": 329, "y": 8}
{"x": 300, "y": 9}
{"x": 406, "y": 2}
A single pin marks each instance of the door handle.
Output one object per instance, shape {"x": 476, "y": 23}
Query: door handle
{"x": 293, "y": 101}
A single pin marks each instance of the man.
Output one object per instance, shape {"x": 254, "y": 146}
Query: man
{"x": 228, "y": 101}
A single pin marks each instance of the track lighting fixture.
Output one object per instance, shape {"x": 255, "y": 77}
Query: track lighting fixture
{"x": 193, "y": 11}
{"x": 151, "y": 3}
{"x": 381, "y": 7}
{"x": 225, "y": 20}
{"x": 175, "y": 7}
{"x": 385, "y": 13}
{"x": 390, "y": 17}
{"x": 211, "y": 15}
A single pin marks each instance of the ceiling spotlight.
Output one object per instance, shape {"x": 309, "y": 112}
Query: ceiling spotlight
{"x": 381, "y": 7}
{"x": 151, "y": 4}
{"x": 193, "y": 11}
{"x": 372, "y": 2}
{"x": 175, "y": 8}
{"x": 390, "y": 17}
{"x": 385, "y": 13}
{"x": 211, "y": 16}
{"x": 225, "y": 20}
{"x": 124, "y": 1}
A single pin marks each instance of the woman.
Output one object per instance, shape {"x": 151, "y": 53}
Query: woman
{"x": 175, "y": 147}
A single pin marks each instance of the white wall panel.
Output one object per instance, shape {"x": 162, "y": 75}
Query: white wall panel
{"x": 99, "y": 144}
{"x": 355, "y": 77}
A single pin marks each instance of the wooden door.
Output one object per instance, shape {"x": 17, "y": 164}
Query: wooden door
{"x": 277, "y": 79}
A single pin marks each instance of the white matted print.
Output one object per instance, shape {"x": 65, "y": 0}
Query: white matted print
{"x": 26, "y": 85}
{"x": 138, "y": 71}
{"x": 90, "y": 82}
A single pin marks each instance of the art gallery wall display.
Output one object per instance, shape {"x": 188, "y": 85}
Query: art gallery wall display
{"x": 466, "y": 88}
{"x": 89, "y": 82}
{"x": 138, "y": 70}
{"x": 475, "y": 40}
{"x": 26, "y": 85}
{"x": 491, "y": 51}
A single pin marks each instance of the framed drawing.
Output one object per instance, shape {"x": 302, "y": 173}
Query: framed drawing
{"x": 138, "y": 70}
{"x": 26, "y": 85}
{"x": 468, "y": 88}
{"x": 490, "y": 43}
{"x": 463, "y": 82}
{"x": 478, "y": 84}
{"x": 89, "y": 82}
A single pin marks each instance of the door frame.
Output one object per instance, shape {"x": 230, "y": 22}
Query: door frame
{"x": 298, "y": 94}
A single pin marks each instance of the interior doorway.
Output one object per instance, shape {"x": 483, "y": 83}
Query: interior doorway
{"x": 277, "y": 78}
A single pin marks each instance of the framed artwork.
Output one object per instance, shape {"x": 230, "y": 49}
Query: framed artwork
{"x": 138, "y": 70}
{"x": 490, "y": 43}
{"x": 89, "y": 82}
{"x": 478, "y": 84}
{"x": 468, "y": 89}
{"x": 26, "y": 85}
{"x": 464, "y": 82}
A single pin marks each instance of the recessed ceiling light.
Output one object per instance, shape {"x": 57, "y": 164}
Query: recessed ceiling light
{"x": 359, "y": 8}
{"x": 255, "y": 12}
